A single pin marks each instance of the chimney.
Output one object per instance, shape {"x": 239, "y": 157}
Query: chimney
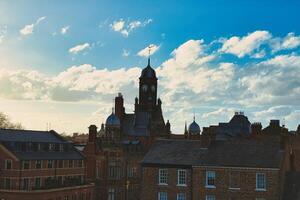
{"x": 92, "y": 133}
{"x": 274, "y": 123}
{"x": 256, "y": 129}
{"x": 119, "y": 106}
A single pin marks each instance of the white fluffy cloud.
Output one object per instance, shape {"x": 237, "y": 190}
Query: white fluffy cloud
{"x": 291, "y": 41}
{"x": 194, "y": 77}
{"x": 64, "y": 30}
{"x": 241, "y": 46}
{"x": 126, "y": 27}
{"x": 28, "y": 29}
{"x": 145, "y": 52}
{"x": 78, "y": 48}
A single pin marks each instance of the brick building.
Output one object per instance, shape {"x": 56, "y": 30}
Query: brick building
{"x": 114, "y": 153}
{"x": 257, "y": 166}
{"x": 41, "y": 165}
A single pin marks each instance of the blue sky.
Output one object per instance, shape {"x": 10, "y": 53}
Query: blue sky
{"x": 47, "y": 48}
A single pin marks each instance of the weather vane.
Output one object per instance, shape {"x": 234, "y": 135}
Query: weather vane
{"x": 149, "y": 49}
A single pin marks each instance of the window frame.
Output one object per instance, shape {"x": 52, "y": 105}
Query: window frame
{"x": 178, "y": 197}
{"x": 178, "y": 177}
{"x": 35, "y": 182}
{"x": 5, "y": 164}
{"x": 210, "y": 197}
{"x": 38, "y": 163}
{"x": 257, "y": 182}
{"x": 160, "y": 176}
{"x": 207, "y": 185}
{"x": 7, "y": 183}
{"x": 159, "y": 196}
{"x": 23, "y": 164}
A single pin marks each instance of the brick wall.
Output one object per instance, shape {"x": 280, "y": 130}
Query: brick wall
{"x": 196, "y": 184}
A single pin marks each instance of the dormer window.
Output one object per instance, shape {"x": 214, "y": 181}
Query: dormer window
{"x": 61, "y": 148}
{"x": 51, "y": 147}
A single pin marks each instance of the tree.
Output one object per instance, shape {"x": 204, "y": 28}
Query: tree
{"x": 6, "y": 123}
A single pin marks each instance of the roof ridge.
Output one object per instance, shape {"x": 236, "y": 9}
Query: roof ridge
{"x": 27, "y": 130}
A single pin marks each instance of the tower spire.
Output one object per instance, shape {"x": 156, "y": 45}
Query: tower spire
{"x": 149, "y": 53}
{"x": 194, "y": 115}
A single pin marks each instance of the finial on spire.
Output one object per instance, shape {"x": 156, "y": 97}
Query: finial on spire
{"x": 194, "y": 115}
{"x": 149, "y": 53}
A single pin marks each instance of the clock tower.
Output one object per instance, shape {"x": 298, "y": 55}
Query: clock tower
{"x": 148, "y": 89}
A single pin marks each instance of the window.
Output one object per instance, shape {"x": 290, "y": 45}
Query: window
{"x": 181, "y": 196}
{"x": 26, "y": 164}
{"x": 70, "y": 163}
{"x": 50, "y": 164}
{"x": 25, "y": 185}
{"x": 210, "y": 197}
{"x": 163, "y": 176}
{"x": 131, "y": 171}
{"x": 7, "y": 183}
{"x": 260, "y": 181}
{"x": 181, "y": 177}
{"x": 37, "y": 182}
{"x": 38, "y": 164}
{"x": 162, "y": 196}
{"x": 51, "y": 147}
{"x": 114, "y": 170}
{"x": 80, "y": 163}
{"x": 210, "y": 179}
{"x": 234, "y": 180}
{"x": 113, "y": 194}
{"x": 8, "y": 164}
{"x": 61, "y": 148}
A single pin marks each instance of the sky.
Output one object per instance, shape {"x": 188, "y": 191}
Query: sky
{"x": 63, "y": 62}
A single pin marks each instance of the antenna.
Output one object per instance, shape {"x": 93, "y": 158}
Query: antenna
{"x": 283, "y": 122}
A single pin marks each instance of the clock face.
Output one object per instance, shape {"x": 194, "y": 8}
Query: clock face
{"x": 153, "y": 88}
{"x": 144, "y": 88}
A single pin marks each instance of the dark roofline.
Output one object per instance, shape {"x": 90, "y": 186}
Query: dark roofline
{"x": 158, "y": 165}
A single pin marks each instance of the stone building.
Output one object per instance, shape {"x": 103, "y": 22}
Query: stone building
{"x": 41, "y": 165}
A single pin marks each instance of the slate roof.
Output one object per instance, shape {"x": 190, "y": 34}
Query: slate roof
{"x": 9, "y": 138}
{"x": 174, "y": 152}
{"x": 237, "y": 153}
{"x": 136, "y": 124}
{"x": 14, "y": 135}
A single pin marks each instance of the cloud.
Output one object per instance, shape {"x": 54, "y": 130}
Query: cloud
{"x": 126, "y": 27}
{"x": 3, "y": 31}
{"x": 125, "y": 53}
{"x": 64, "y": 30}
{"x": 28, "y": 29}
{"x": 78, "y": 48}
{"x": 145, "y": 52}
{"x": 241, "y": 46}
{"x": 291, "y": 41}
{"x": 195, "y": 76}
